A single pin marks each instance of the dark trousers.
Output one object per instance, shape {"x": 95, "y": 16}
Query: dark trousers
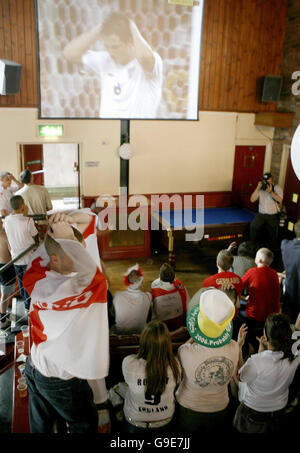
{"x": 270, "y": 224}
{"x": 249, "y": 421}
{"x": 52, "y": 399}
{"x": 20, "y": 271}
{"x": 189, "y": 421}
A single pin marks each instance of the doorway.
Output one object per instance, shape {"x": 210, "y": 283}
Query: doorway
{"x": 55, "y": 166}
{"x": 248, "y": 170}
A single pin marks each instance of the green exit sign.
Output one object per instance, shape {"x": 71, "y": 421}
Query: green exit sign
{"x": 50, "y": 130}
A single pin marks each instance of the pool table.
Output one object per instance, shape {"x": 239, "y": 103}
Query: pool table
{"x": 217, "y": 224}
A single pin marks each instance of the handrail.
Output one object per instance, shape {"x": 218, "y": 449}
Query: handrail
{"x": 11, "y": 262}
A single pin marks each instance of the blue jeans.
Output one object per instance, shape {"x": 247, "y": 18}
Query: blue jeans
{"x": 20, "y": 271}
{"x": 52, "y": 399}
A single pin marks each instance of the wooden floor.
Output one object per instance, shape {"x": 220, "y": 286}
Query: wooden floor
{"x": 193, "y": 265}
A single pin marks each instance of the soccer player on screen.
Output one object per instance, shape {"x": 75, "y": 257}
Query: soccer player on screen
{"x": 130, "y": 72}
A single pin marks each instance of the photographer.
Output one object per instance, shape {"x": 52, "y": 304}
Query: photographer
{"x": 269, "y": 198}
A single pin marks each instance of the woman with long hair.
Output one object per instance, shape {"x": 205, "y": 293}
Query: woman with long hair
{"x": 152, "y": 377}
{"x": 265, "y": 379}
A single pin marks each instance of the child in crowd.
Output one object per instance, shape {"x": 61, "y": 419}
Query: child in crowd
{"x": 265, "y": 379}
{"x": 224, "y": 276}
{"x": 131, "y": 308}
{"x": 170, "y": 298}
{"x": 152, "y": 377}
{"x": 21, "y": 234}
{"x": 7, "y": 279}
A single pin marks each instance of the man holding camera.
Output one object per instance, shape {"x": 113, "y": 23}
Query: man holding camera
{"x": 269, "y": 198}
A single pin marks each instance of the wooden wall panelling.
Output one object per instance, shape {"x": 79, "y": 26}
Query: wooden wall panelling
{"x": 248, "y": 37}
{"x": 17, "y": 43}
{"x": 2, "y": 42}
{"x": 242, "y": 41}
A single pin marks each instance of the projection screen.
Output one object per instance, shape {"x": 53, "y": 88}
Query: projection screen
{"x": 118, "y": 59}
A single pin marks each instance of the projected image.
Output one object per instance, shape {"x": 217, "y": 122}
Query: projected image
{"x": 119, "y": 59}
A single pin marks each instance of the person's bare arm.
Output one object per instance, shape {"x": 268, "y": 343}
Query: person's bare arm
{"x": 82, "y": 219}
{"x": 144, "y": 53}
{"x": 241, "y": 340}
{"x": 254, "y": 195}
{"x": 19, "y": 183}
{"x": 76, "y": 48}
{"x": 263, "y": 343}
{"x": 4, "y": 212}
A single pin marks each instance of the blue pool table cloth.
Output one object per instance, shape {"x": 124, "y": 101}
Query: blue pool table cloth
{"x": 212, "y": 216}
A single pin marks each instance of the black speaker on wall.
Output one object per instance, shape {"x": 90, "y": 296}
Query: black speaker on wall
{"x": 271, "y": 88}
{"x": 10, "y": 77}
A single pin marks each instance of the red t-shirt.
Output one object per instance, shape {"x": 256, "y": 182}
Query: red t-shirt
{"x": 264, "y": 292}
{"x": 217, "y": 281}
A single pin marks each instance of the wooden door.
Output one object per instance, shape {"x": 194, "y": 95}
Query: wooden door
{"x": 32, "y": 159}
{"x": 248, "y": 170}
{"x": 291, "y": 197}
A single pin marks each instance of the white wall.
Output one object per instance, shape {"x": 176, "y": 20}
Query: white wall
{"x": 170, "y": 156}
{"x": 98, "y": 140}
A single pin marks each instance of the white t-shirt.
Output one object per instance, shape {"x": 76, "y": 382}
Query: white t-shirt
{"x": 20, "y": 231}
{"x": 267, "y": 204}
{"x": 127, "y": 91}
{"x": 141, "y": 407}
{"x": 5, "y": 196}
{"x": 206, "y": 375}
{"x": 265, "y": 381}
{"x": 131, "y": 310}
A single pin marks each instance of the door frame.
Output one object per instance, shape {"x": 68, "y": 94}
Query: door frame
{"x": 79, "y": 154}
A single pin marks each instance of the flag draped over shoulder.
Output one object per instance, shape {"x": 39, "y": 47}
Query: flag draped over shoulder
{"x": 68, "y": 315}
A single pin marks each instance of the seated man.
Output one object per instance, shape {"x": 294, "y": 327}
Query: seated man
{"x": 170, "y": 298}
{"x": 131, "y": 307}
{"x": 264, "y": 293}
{"x": 224, "y": 275}
{"x": 68, "y": 294}
{"x": 245, "y": 258}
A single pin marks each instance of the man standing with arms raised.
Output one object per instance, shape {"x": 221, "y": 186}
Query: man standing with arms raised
{"x": 68, "y": 294}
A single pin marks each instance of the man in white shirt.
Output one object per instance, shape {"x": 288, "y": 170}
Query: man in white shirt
{"x": 35, "y": 197}
{"x": 6, "y": 191}
{"x": 270, "y": 198}
{"x": 131, "y": 307}
{"x": 130, "y": 72}
{"x": 21, "y": 234}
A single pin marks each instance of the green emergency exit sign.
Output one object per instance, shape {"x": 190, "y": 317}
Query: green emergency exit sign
{"x": 50, "y": 130}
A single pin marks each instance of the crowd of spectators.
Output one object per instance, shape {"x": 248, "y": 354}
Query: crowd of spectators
{"x": 234, "y": 371}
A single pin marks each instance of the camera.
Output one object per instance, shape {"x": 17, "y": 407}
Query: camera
{"x": 265, "y": 183}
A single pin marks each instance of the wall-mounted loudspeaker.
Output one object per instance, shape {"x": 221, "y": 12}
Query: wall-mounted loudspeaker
{"x": 10, "y": 77}
{"x": 271, "y": 88}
